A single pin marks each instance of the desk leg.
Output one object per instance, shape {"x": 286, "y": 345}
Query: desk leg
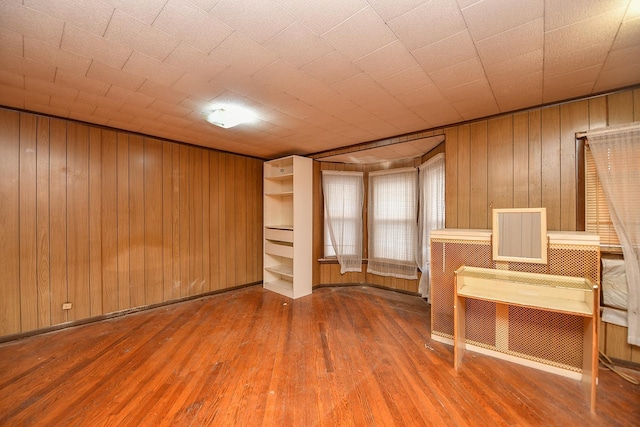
{"x": 459, "y": 314}
{"x": 590, "y": 360}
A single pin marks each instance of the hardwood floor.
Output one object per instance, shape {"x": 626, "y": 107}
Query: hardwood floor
{"x": 342, "y": 356}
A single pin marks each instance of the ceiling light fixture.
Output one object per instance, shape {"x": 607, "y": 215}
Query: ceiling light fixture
{"x": 228, "y": 116}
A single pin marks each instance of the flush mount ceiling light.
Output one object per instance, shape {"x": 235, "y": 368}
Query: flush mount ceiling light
{"x": 228, "y": 116}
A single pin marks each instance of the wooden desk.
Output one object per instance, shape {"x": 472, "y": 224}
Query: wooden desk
{"x": 562, "y": 294}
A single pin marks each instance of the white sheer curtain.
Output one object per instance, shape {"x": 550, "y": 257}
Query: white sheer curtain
{"x": 393, "y": 209}
{"x": 431, "y": 215}
{"x": 616, "y": 152}
{"x": 343, "y": 200}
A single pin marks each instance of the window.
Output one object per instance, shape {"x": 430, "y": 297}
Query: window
{"x": 598, "y": 218}
{"x": 343, "y": 200}
{"x": 393, "y": 210}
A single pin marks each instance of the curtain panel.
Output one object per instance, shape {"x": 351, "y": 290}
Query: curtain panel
{"x": 392, "y": 223}
{"x": 432, "y": 204}
{"x": 616, "y": 153}
{"x": 343, "y": 202}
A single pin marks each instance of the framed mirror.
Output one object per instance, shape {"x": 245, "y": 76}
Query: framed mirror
{"x": 520, "y": 235}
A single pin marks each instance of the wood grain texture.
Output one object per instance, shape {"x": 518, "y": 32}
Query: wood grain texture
{"x": 206, "y": 234}
{"x": 109, "y": 195}
{"x": 42, "y": 222}
{"x": 464, "y": 176}
{"x": 479, "y": 210}
{"x": 78, "y": 220}
{"x": 9, "y": 222}
{"x": 137, "y": 248}
{"x": 229, "y": 217}
{"x": 214, "y": 220}
{"x": 500, "y": 162}
{"x": 195, "y": 221}
{"x": 550, "y": 131}
{"x": 27, "y": 225}
{"x": 620, "y": 108}
{"x": 574, "y": 117}
{"x": 535, "y": 159}
{"x": 153, "y": 230}
{"x": 521, "y": 160}
{"x": 167, "y": 222}
{"x": 95, "y": 221}
{"x": 123, "y": 249}
{"x": 58, "y": 221}
{"x": 341, "y": 356}
{"x": 451, "y": 178}
{"x": 111, "y": 221}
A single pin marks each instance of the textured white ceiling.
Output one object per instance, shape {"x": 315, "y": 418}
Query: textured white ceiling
{"x": 318, "y": 74}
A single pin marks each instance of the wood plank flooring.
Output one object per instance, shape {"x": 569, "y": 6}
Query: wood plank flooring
{"x": 342, "y": 356}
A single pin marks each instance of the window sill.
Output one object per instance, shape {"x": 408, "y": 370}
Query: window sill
{"x": 334, "y": 261}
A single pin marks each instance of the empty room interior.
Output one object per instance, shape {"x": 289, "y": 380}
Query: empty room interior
{"x": 337, "y": 212}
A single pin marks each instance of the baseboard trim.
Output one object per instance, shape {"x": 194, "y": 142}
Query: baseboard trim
{"x": 115, "y": 314}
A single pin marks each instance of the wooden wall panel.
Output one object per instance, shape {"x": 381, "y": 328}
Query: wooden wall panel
{"x": 153, "y": 216}
{"x": 27, "y": 227}
{"x": 95, "y": 221}
{"x": 206, "y": 236}
{"x": 229, "y": 218}
{"x": 78, "y": 220}
{"x": 183, "y": 215}
{"x": 137, "y": 247}
{"x": 535, "y": 159}
{"x": 42, "y": 223}
{"x": 9, "y": 222}
{"x": 479, "y": 212}
{"x": 176, "y": 284}
{"x": 574, "y": 117}
{"x": 111, "y": 221}
{"x": 500, "y": 162}
{"x": 451, "y": 177}
{"x": 551, "y": 196}
{"x": 521, "y": 160}
{"x": 620, "y": 108}
{"x": 195, "y": 221}
{"x": 224, "y": 246}
{"x": 58, "y": 221}
{"x": 167, "y": 222}
{"x": 123, "y": 248}
{"x": 464, "y": 178}
{"x": 214, "y": 220}
{"x": 240, "y": 214}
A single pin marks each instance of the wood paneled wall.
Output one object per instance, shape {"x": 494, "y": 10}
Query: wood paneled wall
{"x": 526, "y": 159}
{"x": 111, "y": 221}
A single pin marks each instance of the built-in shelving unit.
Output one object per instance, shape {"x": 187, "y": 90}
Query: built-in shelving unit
{"x": 288, "y": 226}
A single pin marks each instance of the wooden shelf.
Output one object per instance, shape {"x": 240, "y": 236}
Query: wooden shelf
{"x": 280, "y": 227}
{"x": 279, "y": 194}
{"x": 562, "y": 294}
{"x": 271, "y": 248}
{"x": 283, "y": 270}
{"x": 279, "y": 177}
{"x": 283, "y": 287}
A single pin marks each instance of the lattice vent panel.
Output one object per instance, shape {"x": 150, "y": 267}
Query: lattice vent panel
{"x": 554, "y": 338}
{"x": 528, "y": 267}
{"x": 446, "y": 257}
{"x": 480, "y": 323}
{"x": 566, "y": 260}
